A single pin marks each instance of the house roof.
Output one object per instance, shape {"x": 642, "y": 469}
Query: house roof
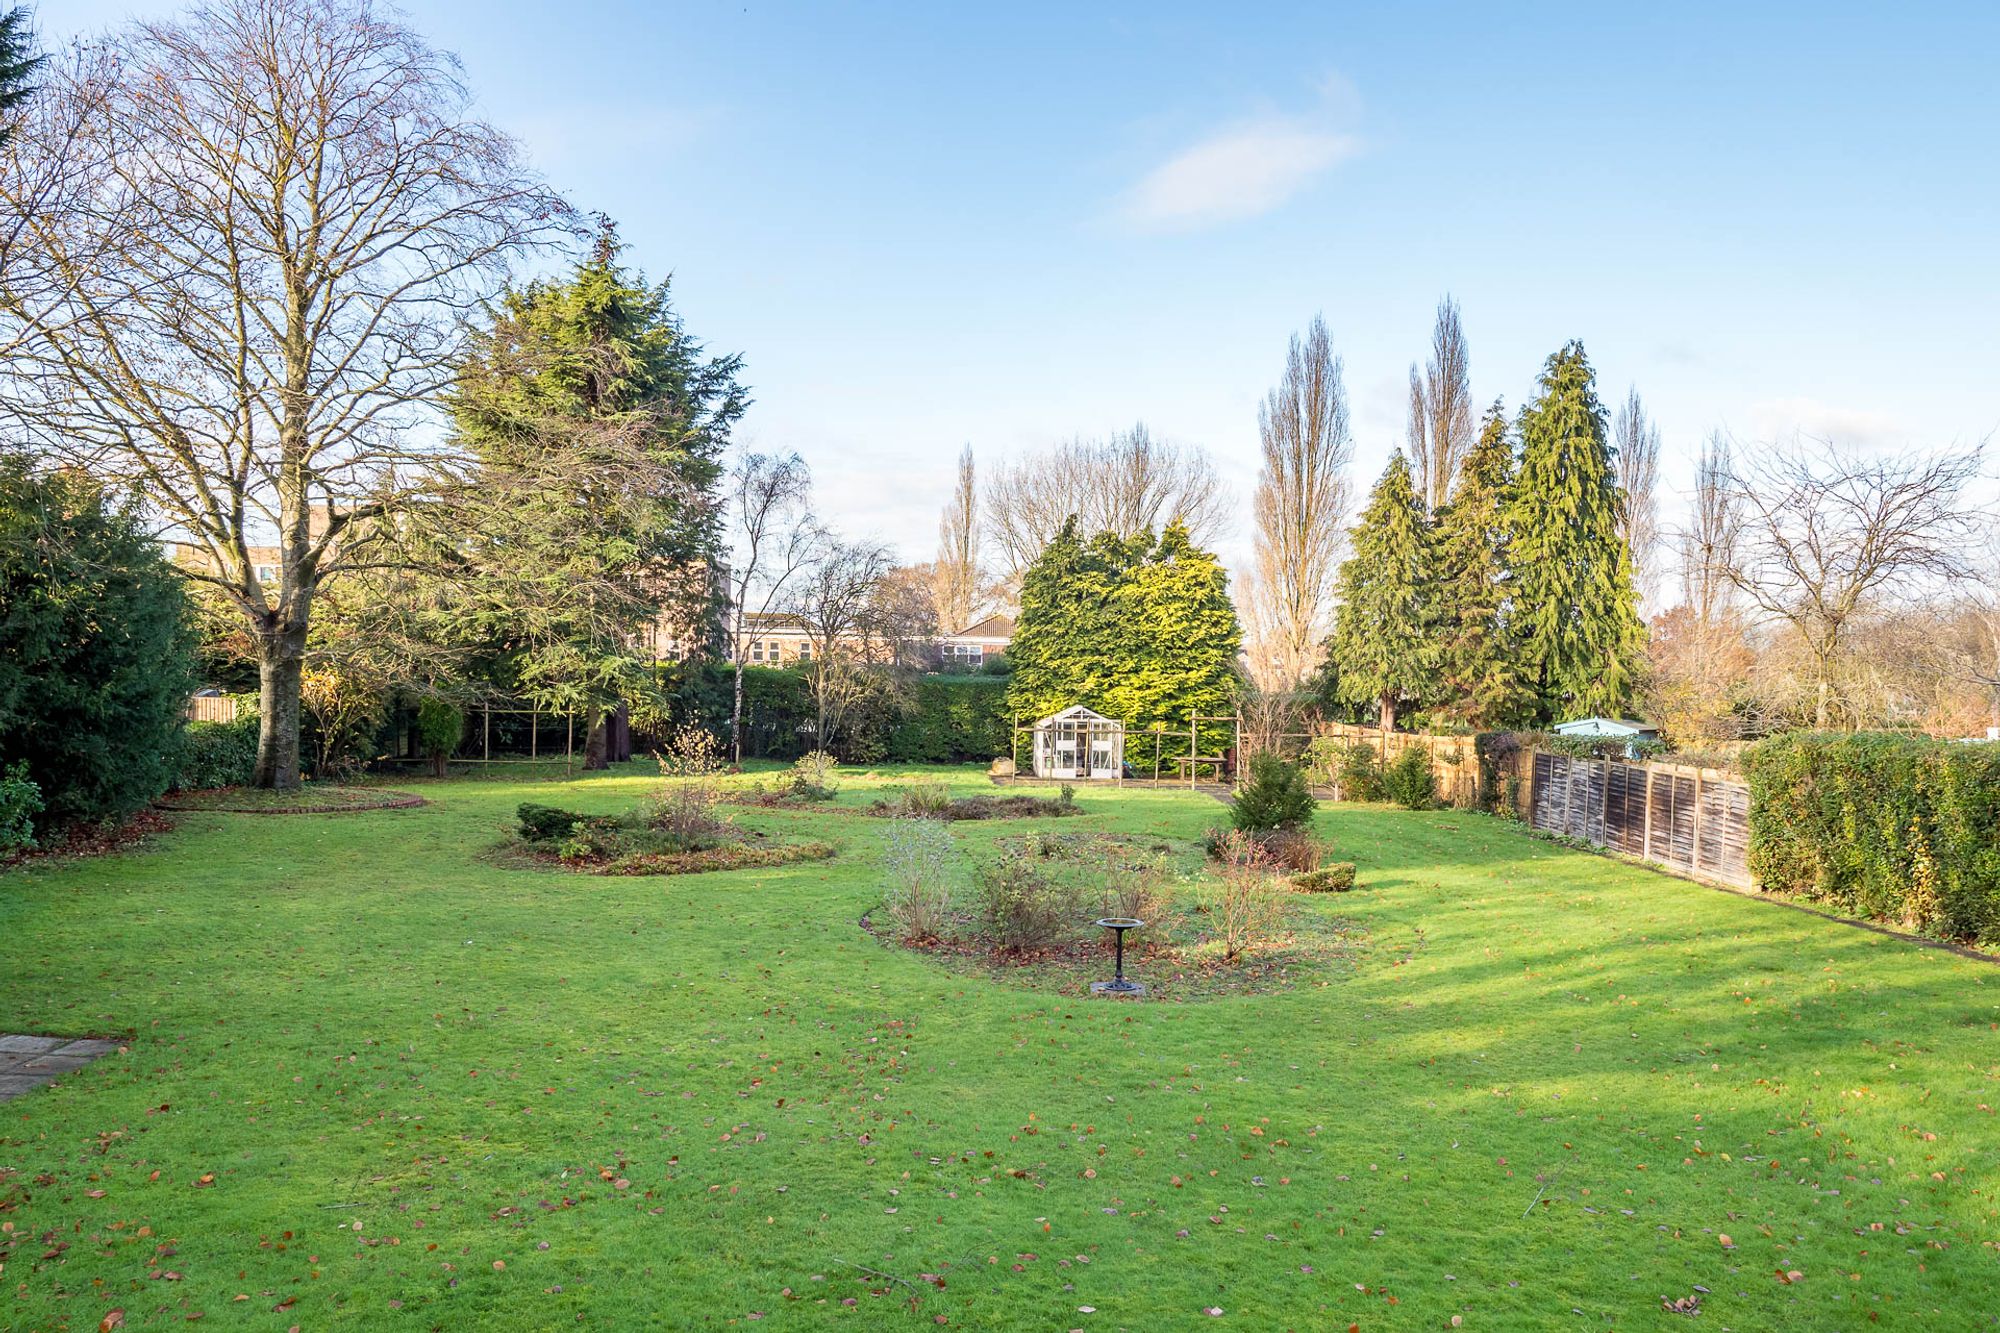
{"x": 995, "y": 626}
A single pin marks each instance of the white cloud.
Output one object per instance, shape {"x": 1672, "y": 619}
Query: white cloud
{"x": 1241, "y": 172}
{"x": 1783, "y": 418}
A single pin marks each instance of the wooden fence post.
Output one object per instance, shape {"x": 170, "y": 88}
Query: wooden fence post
{"x": 1646, "y": 847}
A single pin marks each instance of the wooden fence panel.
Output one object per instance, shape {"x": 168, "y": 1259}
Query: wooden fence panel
{"x": 211, "y": 708}
{"x": 1692, "y": 821}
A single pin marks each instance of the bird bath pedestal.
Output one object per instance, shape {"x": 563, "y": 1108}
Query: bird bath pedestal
{"x": 1118, "y": 985}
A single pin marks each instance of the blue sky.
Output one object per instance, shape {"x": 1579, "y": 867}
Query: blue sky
{"x": 928, "y": 225}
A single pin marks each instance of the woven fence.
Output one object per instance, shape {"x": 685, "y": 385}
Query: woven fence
{"x": 1693, "y": 821}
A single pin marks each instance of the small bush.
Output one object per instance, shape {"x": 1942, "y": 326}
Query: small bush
{"x": 1336, "y": 878}
{"x": 1360, "y": 774}
{"x": 440, "y": 724}
{"x": 593, "y": 839}
{"x": 683, "y": 807}
{"x": 1138, "y": 892}
{"x": 1020, "y": 908}
{"x": 1248, "y": 912}
{"x": 20, "y": 802}
{"x": 813, "y": 777}
{"x": 1323, "y": 757}
{"x": 1293, "y": 849}
{"x": 545, "y": 823}
{"x": 1275, "y": 796}
{"x": 927, "y": 799}
{"x": 918, "y": 862}
{"x": 1409, "y": 781}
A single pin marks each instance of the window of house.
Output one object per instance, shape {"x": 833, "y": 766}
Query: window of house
{"x": 805, "y": 652}
{"x": 964, "y": 654}
{"x": 756, "y": 650}
{"x": 267, "y": 573}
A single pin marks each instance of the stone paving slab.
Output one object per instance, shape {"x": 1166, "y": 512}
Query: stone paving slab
{"x": 28, "y": 1062}
{"x": 31, "y": 1045}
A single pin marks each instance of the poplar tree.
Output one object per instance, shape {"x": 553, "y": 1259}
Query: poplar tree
{"x": 1573, "y": 604}
{"x": 1479, "y": 669}
{"x": 1383, "y": 651}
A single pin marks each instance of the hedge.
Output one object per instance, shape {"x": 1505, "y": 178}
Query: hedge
{"x": 951, "y": 720}
{"x": 1888, "y": 827}
{"x": 934, "y": 720}
{"x": 216, "y": 754}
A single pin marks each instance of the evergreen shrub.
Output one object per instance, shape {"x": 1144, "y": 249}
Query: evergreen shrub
{"x": 1889, "y": 827}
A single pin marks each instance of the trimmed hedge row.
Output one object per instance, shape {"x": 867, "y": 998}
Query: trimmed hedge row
{"x": 216, "y": 754}
{"x": 1892, "y": 828}
{"x": 952, "y": 720}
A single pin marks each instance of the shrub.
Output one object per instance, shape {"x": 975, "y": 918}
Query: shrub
{"x": 1360, "y": 775}
{"x": 95, "y": 659}
{"x": 683, "y": 806}
{"x": 1250, "y": 909}
{"x": 1294, "y": 849}
{"x": 1022, "y": 908}
{"x": 440, "y": 724}
{"x": 545, "y": 823}
{"x": 593, "y": 839}
{"x": 1137, "y": 891}
{"x": 1275, "y": 796}
{"x": 813, "y": 777}
{"x": 1409, "y": 781}
{"x": 1336, "y": 878}
{"x": 20, "y": 802}
{"x": 918, "y": 861}
{"x": 1894, "y": 828}
{"x": 927, "y": 799}
{"x": 1323, "y": 758}
{"x": 216, "y": 754}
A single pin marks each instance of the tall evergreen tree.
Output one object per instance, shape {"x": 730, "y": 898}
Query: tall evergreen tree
{"x": 1174, "y": 602}
{"x": 1479, "y": 672}
{"x": 18, "y": 63}
{"x": 595, "y": 424}
{"x": 1383, "y": 650}
{"x": 1573, "y": 605}
{"x": 1138, "y": 629}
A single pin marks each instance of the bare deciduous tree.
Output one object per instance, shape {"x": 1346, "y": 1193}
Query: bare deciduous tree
{"x": 832, "y": 601}
{"x": 775, "y": 539}
{"x": 955, "y": 580}
{"x": 1302, "y": 503}
{"x": 244, "y": 286}
{"x": 1128, "y": 484}
{"x": 1440, "y": 426}
{"x": 1637, "y": 441}
{"x": 1828, "y": 535}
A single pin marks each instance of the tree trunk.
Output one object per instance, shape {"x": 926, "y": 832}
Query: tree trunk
{"x": 736, "y": 712}
{"x": 1388, "y": 712}
{"x": 281, "y": 655}
{"x": 597, "y": 742}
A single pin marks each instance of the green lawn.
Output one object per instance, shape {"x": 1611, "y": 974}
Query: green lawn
{"x": 1544, "y": 1089}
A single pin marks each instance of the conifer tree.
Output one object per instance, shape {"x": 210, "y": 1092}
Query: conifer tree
{"x": 594, "y": 425}
{"x": 1479, "y": 673}
{"x": 1383, "y": 651}
{"x": 1174, "y": 606}
{"x": 1137, "y": 629}
{"x": 1573, "y": 606}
